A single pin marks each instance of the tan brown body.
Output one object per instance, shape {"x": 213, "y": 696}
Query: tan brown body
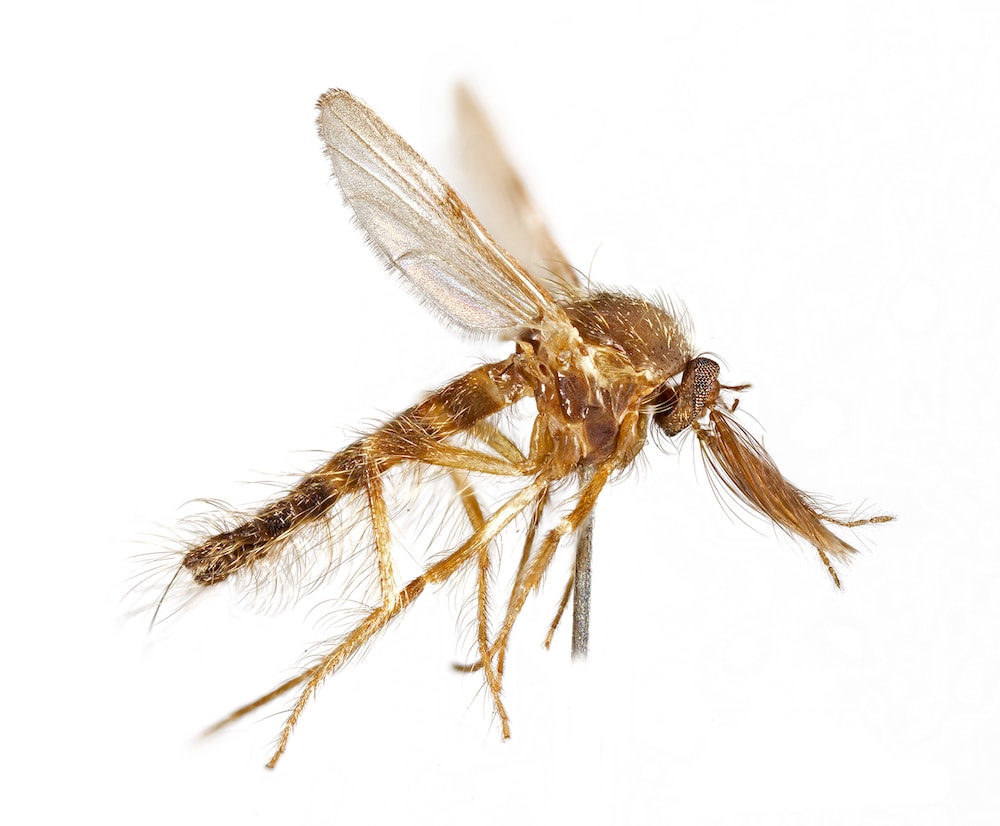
{"x": 593, "y": 391}
{"x": 601, "y": 368}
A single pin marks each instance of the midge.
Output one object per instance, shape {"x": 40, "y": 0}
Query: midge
{"x": 601, "y": 368}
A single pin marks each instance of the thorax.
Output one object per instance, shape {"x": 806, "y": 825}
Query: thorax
{"x": 592, "y": 381}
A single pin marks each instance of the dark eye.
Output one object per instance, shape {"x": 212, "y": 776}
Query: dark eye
{"x": 706, "y": 382}
{"x": 683, "y": 403}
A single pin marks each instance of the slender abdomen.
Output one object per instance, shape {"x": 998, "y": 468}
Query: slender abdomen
{"x": 452, "y": 409}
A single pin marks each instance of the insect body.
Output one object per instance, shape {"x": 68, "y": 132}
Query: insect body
{"x": 601, "y": 368}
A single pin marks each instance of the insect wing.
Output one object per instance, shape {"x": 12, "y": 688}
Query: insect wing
{"x": 422, "y": 228}
{"x": 514, "y": 218}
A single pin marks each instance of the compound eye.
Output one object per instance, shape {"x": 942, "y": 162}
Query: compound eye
{"x": 698, "y": 389}
{"x": 705, "y": 382}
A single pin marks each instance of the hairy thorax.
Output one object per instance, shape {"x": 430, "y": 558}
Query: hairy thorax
{"x": 591, "y": 389}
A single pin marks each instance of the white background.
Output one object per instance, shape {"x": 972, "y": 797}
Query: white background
{"x": 185, "y": 304}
